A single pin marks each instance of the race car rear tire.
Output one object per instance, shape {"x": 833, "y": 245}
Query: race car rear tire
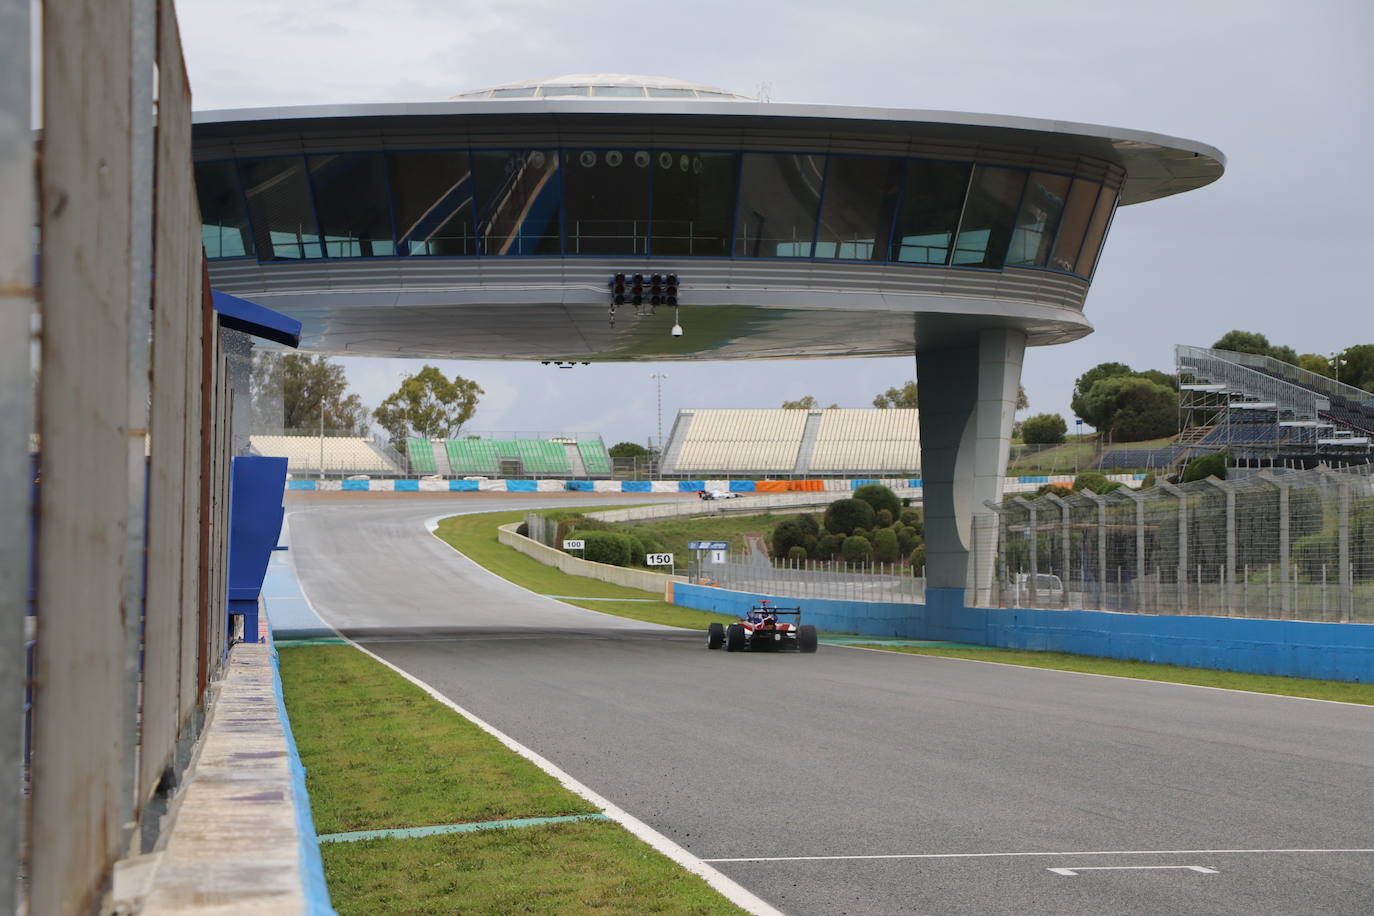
{"x": 734, "y": 637}
{"x": 715, "y": 636}
{"x": 806, "y": 638}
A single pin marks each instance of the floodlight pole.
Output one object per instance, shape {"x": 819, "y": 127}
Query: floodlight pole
{"x": 658, "y": 378}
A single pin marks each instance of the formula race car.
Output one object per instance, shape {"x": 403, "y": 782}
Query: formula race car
{"x": 761, "y": 631}
{"x": 717, "y": 494}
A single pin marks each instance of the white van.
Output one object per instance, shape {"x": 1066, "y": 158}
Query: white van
{"x": 1049, "y": 589}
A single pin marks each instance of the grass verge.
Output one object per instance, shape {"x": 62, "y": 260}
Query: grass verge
{"x": 379, "y": 753}
{"x": 474, "y": 536}
{"x": 1340, "y": 691}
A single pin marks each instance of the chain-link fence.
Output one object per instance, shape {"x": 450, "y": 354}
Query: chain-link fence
{"x": 887, "y": 582}
{"x": 1292, "y": 545}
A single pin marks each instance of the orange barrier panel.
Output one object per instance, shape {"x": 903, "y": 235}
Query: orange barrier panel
{"x": 771, "y": 486}
{"x": 807, "y": 486}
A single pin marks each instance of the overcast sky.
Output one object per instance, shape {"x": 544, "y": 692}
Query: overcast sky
{"x": 1284, "y": 90}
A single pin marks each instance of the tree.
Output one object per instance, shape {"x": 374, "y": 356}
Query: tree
{"x": 1044, "y": 429}
{"x": 1085, "y": 383}
{"x": 1316, "y": 364}
{"x": 844, "y": 515}
{"x": 627, "y": 450}
{"x": 885, "y": 545}
{"x": 1356, "y": 366}
{"x": 786, "y": 535}
{"x": 805, "y": 403}
{"x": 1243, "y": 342}
{"x": 1204, "y": 466}
{"x": 1095, "y": 482}
{"x": 856, "y": 550}
{"x": 902, "y": 398}
{"x": 1022, "y": 402}
{"x": 1131, "y": 408}
{"x": 429, "y": 405}
{"x": 300, "y": 383}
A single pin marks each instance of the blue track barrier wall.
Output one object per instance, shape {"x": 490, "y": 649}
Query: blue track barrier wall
{"x": 1330, "y": 651}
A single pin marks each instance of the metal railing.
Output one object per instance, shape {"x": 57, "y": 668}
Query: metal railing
{"x": 882, "y": 582}
{"x": 1244, "y": 373}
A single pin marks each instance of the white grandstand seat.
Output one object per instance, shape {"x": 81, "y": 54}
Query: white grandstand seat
{"x": 868, "y": 440}
{"x": 765, "y": 441}
{"x": 342, "y": 454}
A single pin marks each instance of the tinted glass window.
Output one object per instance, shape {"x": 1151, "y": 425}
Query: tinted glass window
{"x": 989, "y": 217}
{"x": 694, "y": 198}
{"x": 1072, "y": 226}
{"x": 223, "y": 224}
{"x": 1041, "y": 207}
{"x": 607, "y": 197}
{"x": 624, "y": 92}
{"x": 856, "y": 216}
{"x": 431, "y": 193}
{"x": 519, "y": 202}
{"x": 279, "y": 202}
{"x": 350, "y": 194}
{"x": 778, "y": 198}
{"x": 932, "y": 199}
{"x": 1097, "y": 231}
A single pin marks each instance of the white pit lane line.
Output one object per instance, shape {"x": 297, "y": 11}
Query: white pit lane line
{"x": 1064, "y": 855}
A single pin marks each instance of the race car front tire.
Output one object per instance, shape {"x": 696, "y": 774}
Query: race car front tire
{"x": 806, "y": 638}
{"x": 734, "y": 637}
{"x": 715, "y": 636}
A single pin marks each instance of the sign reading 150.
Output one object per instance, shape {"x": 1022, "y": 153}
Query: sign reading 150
{"x": 658, "y": 559}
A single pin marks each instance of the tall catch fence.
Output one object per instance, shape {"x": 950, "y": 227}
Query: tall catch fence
{"x": 885, "y": 582}
{"x": 1290, "y": 545}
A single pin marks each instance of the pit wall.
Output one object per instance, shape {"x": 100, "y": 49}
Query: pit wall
{"x": 1290, "y": 648}
{"x": 1011, "y": 485}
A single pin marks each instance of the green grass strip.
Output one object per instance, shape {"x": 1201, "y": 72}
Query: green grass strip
{"x": 583, "y": 867}
{"x": 380, "y": 753}
{"x": 1339, "y": 691}
{"x": 436, "y": 829}
{"x": 474, "y": 536}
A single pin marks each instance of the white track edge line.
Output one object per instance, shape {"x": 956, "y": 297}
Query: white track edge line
{"x": 1010, "y": 855}
{"x": 723, "y": 885}
{"x": 1122, "y": 677}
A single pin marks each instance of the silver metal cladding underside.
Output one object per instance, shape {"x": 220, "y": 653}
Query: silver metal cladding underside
{"x": 555, "y": 308}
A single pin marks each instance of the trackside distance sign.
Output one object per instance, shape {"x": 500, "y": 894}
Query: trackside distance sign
{"x": 574, "y": 545}
{"x": 658, "y": 559}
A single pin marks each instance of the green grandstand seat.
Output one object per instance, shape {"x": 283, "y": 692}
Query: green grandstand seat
{"x": 421, "y": 452}
{"x": 594, "y": 456}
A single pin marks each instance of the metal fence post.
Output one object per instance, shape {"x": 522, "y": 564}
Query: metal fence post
{"x": 1066, "y": 565}
{"x": 1345, "y": 580}
{"x": 1182, "y": 541}
{"x": 17, "y": 219}
{"x": 1034, "y": 543}
{"x": 1285, "y": 592}
{"x": 1228, "y": 576}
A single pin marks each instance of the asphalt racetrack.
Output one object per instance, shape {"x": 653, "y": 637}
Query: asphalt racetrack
{"x": 868, "y": 782}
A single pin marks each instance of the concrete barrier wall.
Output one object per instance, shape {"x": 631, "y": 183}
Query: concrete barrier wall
{"x": 907, "y": 486}
{"x": 616, "y": 575}
{"x": 1330, "y": 651}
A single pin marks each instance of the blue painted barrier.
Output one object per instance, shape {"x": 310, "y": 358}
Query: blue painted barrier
{"x": 300, "y": 485}
{"x": 914, "y": 483}
{"x": 1290, "y": 648}
{"x": 462, "y": 486}
{"x": 408, "y": 486}
{"x": 691, "y": 486}
{"x": 522, "y": 486}
{"x": 255, "y": 517}
{"x": 742, "y": 486}
{"x": 580, "y": 486}
{"x": 1032, "y": 480}
{"x": 861, "y": 481}
{"x": 636, "y": 486}
{"x": 356, "y": 485}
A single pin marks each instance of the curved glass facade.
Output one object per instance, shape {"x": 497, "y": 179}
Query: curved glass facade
{"x": 646, "y": 202}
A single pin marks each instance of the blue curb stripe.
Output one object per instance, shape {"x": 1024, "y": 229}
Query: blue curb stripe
{"x": 403, "y": 833}
{"x": 313, "y": 889}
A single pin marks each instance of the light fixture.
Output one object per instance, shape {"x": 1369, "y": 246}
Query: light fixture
{"x": 677, "y": 326}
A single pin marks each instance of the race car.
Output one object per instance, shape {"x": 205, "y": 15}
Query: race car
{"x": 760, "y": 631}
{"x": 717, "y": 494}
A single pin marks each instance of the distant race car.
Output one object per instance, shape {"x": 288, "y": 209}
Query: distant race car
{"x": 717, "y": 494}
{"x": 760, "y": 631}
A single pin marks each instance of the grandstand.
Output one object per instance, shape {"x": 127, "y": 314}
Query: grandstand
{"x": 330, "y": 455}
{"x": 782, "y": 442}
{"x": 1264, "y": 410}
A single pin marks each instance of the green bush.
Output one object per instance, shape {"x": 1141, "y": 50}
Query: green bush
{"x": 907, "y": 538}
{"x": 1095, "y": 482}
{"x": 605, "y": 547}
{"x": 797, "y": 555}
{"x": 885, "y": 545}
{"x": 860, "y": 532}
{"x": 825, "y": 548}
{"x": 1204, "y": 466}
{"x": 786, "y": 535}
{"x": 1044, "y": 429}
{"x": 884, "y": 519}
{"x": 1313, "y": 552}
{"x": 523, "y": 530}
{"x": 809, "y": 544}
{"x": 879, "y": 497}
{"x": 844, "y": 515}
{"x": 857, "y": 550}
{"x": 911, "y": 518}
{"x": 809, "y": 524}
{"x": 917, "y": 559}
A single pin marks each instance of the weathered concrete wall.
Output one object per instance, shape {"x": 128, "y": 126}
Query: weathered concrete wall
{"x": 617, "y": 575}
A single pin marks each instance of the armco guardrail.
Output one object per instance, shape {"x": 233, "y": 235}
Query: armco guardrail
{"x": 743, "y": 504}
{"x": 641, "y": 579}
